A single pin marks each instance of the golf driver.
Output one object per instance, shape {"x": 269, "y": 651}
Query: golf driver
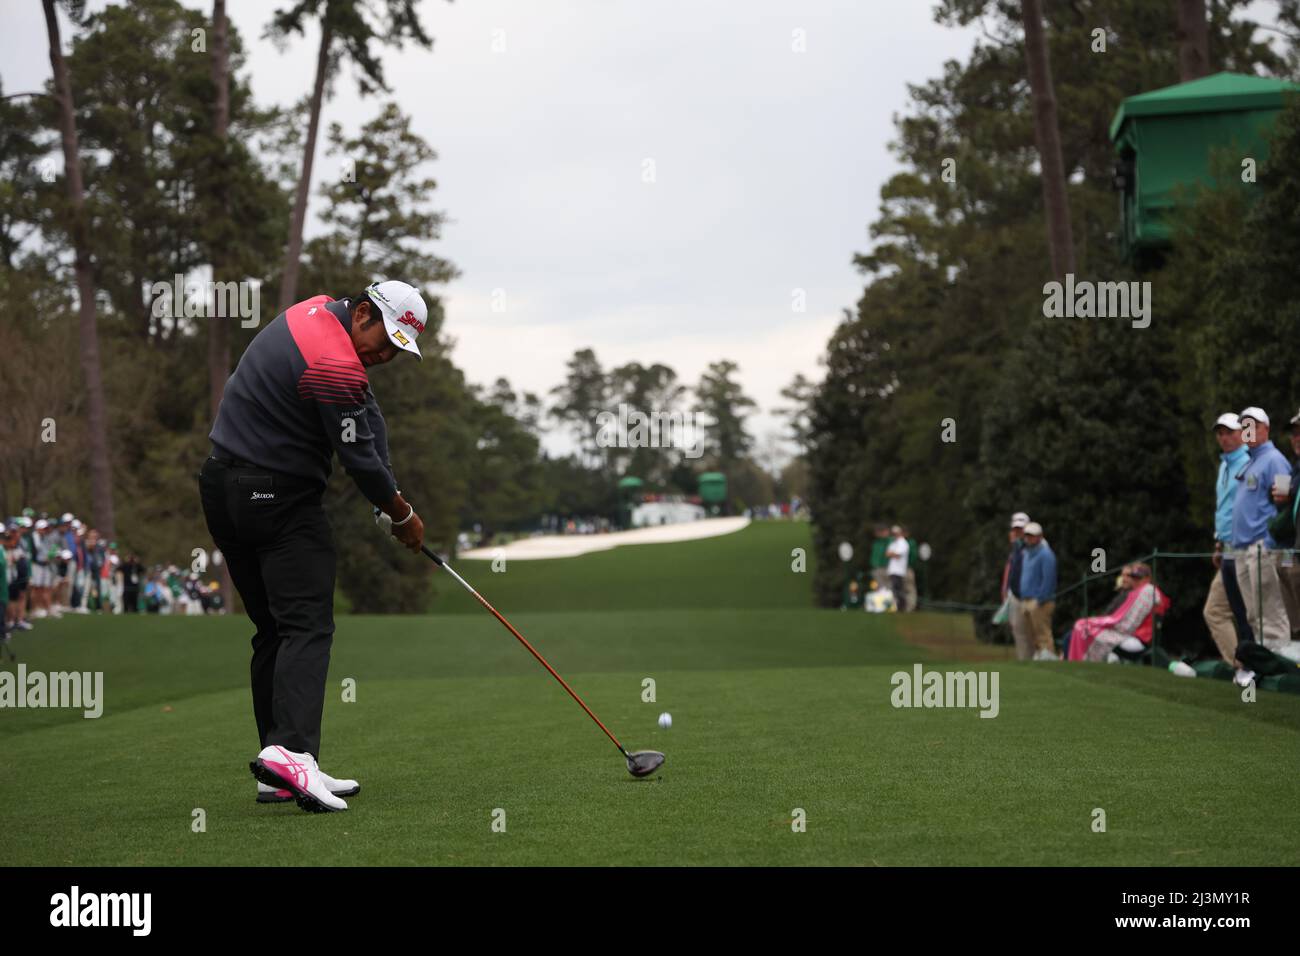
{"x": 640, "y": 763}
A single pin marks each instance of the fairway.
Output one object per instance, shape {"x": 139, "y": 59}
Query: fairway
{"x": 747, "y": 569}
{"x": 777, "y": 707}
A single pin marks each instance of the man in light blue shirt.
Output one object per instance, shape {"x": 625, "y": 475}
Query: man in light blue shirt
{"x": 1224, "y": 611}
{"x": 1257, "y": 561}
{"x": 1038, "y": 591}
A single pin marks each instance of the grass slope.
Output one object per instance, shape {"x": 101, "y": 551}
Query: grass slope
{"x": 749, "y": 568}
{"x": 775, "y": 708}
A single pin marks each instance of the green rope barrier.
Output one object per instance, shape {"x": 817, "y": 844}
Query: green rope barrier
{"x": 1083, "y": 582}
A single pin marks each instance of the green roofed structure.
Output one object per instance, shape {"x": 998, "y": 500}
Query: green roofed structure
{"x": 713, "y": 491}
{"x": 630, "y": 490}
{"x": 1164, "y": 139}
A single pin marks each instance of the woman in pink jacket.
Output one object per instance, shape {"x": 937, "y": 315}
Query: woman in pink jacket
{"x": 1093, "y": 638}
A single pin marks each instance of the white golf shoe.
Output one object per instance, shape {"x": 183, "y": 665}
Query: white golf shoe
{"x": 282, "y": 769}
{"x": 340, "y": 788}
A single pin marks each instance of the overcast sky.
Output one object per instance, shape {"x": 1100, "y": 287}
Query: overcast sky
{"x": 767, "y": 166}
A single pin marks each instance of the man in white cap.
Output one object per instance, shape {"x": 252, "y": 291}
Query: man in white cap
{"x": 897, "y": 553}
{"x": 300, "y": 395}
{"x": 1224, "y": 611}
{"x": 1285, "y": 499}
{"x": 1257, "y": 557}
{"x": 63, "y": 581}
{"x": 1038, "y": 591}
{"x": 81, "y": 578}
{"x": 43, "y": 541}
{"x": 1020, "y": 632}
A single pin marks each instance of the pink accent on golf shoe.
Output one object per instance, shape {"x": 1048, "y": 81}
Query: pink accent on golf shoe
{"x": 291, "y": 770}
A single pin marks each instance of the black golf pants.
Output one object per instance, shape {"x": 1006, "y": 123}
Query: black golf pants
{"x": 896, "y": 584}
{"x": 276, "y": 541}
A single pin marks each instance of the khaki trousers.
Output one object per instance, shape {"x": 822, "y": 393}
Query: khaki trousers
{"x": 1261, "y": 589}
{"x": 1038, "y": 620}
{"x": 1021, "y": 633}
{"x": 1290, "y": 581}
{"x": 1218, "y": 618}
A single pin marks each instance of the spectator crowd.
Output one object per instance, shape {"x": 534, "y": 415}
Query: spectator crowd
{"x": 1254, "y": 593}
{"x": 892, "y": 584}
{"x": 54, "y": 566}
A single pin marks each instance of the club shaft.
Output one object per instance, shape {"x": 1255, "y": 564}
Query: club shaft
{"x": 522, "y": 640}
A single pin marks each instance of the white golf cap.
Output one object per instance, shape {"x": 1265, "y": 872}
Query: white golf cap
{"x": 67, "y": 518}
{"x": 1034, "y": 528}
{"x": 41, "y": 524}
{"x": 1256, "y": 413}
{"x": 1019, "y": 519}
{"x": 1228, "y": 420}
{"x": 403, "y": 310}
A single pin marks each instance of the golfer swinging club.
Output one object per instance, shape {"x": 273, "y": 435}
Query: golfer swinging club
{"x": 300, "y": 394}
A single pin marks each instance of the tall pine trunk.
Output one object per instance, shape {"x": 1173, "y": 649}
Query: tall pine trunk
{"x": 289, "y": 280}
{"x": 219, "y": 325}
{"x": 1193, "y": 40}
{"x": 101, "y": 472}
{"x": 1047, "y": 135}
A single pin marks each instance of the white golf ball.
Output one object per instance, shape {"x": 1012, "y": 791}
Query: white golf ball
{"x": 665, "y": 720}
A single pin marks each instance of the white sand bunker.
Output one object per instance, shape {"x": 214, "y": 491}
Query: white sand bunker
{"x": 572, "y": 545}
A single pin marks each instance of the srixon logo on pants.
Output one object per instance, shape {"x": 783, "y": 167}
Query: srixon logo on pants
{"x": 78, "y": 909}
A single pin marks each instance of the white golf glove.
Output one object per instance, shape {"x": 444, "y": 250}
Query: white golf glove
{"x": 384, "y": 522}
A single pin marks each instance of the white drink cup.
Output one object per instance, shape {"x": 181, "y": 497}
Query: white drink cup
{"x": 1282, "y": 484}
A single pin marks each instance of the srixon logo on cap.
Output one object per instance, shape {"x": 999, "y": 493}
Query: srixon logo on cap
{"x": 408, "y": 318}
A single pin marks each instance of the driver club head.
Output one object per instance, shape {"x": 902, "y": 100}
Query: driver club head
{"x": 642, "y": 763}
